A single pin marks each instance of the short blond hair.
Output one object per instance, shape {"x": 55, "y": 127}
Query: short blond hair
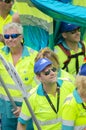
{"x": 48, "y": 53}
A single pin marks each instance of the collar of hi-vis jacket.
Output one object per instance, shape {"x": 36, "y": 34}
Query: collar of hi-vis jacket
{"x": 25, "y": 51}
{"x": 40, "y": 90}
{"x": 11, "y": 12}
{"x": 77, "y": 96}
{"x": 65, "y": 45}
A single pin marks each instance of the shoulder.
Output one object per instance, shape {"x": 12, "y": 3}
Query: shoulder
{"x": 69, "y": 77}
{"x": 59, "y": 50}
{"x": 16, "y": 18}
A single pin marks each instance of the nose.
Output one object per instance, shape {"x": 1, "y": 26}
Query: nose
{"x": 52, "y": 72}
{"x": 10, "y": 37}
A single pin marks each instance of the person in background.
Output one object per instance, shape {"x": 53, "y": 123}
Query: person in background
{"x": 22, "y": 58}
{"x": 74, "y": 107}
{"x": 7, "y": 15}
{"x": 70, "y": 49}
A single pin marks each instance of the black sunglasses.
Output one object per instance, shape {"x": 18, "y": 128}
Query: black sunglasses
{"x": 48, "y": 72}
{"x": 74, "y": 31}
{"x": 7, "y": 1}
{"x": 13, "y": 36}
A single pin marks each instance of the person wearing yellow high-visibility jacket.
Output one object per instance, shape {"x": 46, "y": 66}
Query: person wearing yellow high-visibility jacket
{"x": 6, "y": 16}
{"x": 64, "y": 79}
{"x": 74, "y": 108}
{"x": 22, "y": 58}
{"x": 38, "y": 27}
{"x": 47, "y": 117}
{"x": 62, "y": 76}
{"x": 70, "y": 49}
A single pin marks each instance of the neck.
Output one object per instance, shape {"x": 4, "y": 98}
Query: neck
{"x": 82, "y": 95}
{"x": 51, "y": 88}
{"x": 72, "y": 46}
{"x": 3, "y": 14}
{"x": 84, "y": 99}
{"x": 16, "y": 54}
{"x": 16, "y": 50}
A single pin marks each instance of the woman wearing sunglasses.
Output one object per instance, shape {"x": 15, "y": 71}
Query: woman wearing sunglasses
{"x": 22, "y": 58}
{"x": 69, "y": 48}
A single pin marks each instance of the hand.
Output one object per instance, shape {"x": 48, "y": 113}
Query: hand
{"x": 17, "y": 112}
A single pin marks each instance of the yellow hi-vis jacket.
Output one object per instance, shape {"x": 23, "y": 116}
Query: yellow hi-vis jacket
{"x": 24, "y": 67}
{"x": 3, "y": 22}
{"x": 71, "y": 66}
{"x": 47, "y": 118}
{"x": 73, "y": 113}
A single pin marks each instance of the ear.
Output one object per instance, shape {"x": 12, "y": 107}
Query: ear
{"x": 21, "y": 38}
{"x": 64, "y": 35}
{"x": 38, "y": 77}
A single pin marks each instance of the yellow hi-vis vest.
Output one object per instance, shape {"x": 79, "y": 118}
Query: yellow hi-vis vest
{"x": 3, "y": 22}
{"x": 47, "y": 118}
{"x": 73, "y": 113}
{"x": 71, "y": 66}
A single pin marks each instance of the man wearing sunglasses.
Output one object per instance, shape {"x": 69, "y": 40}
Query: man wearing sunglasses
{"x": 69, "y": 48}
{"x": 6, "y": 16}
{"x": 45, "y": 100}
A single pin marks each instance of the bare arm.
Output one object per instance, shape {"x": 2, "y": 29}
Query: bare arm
{"x": 21, "y": 126}
{"x": 16, "y": 18}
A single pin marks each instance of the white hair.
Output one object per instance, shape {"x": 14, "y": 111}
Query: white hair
{"x": 13, "y": 25}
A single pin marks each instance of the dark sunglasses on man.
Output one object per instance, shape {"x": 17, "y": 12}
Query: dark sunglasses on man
{"x": 7, "y": 1}
{"x": 74, "y": 31}
{"x": 49, "y": 71}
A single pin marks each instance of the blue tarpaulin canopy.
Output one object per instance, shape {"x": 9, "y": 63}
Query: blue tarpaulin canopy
{"x": 62, "y": 11}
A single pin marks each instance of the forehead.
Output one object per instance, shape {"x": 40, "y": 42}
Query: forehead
{"x": 11, "y": 30}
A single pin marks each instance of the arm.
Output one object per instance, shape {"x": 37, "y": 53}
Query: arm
{"x": 69, "y": 114}
{"x": 21, "y": 126}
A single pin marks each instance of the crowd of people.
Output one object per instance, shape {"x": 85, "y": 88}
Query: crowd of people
{"x": 54, "y": 79}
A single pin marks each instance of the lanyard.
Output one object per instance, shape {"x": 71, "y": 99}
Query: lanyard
{"x": 50, "y": 102}
{"x": 84, "y": 106}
